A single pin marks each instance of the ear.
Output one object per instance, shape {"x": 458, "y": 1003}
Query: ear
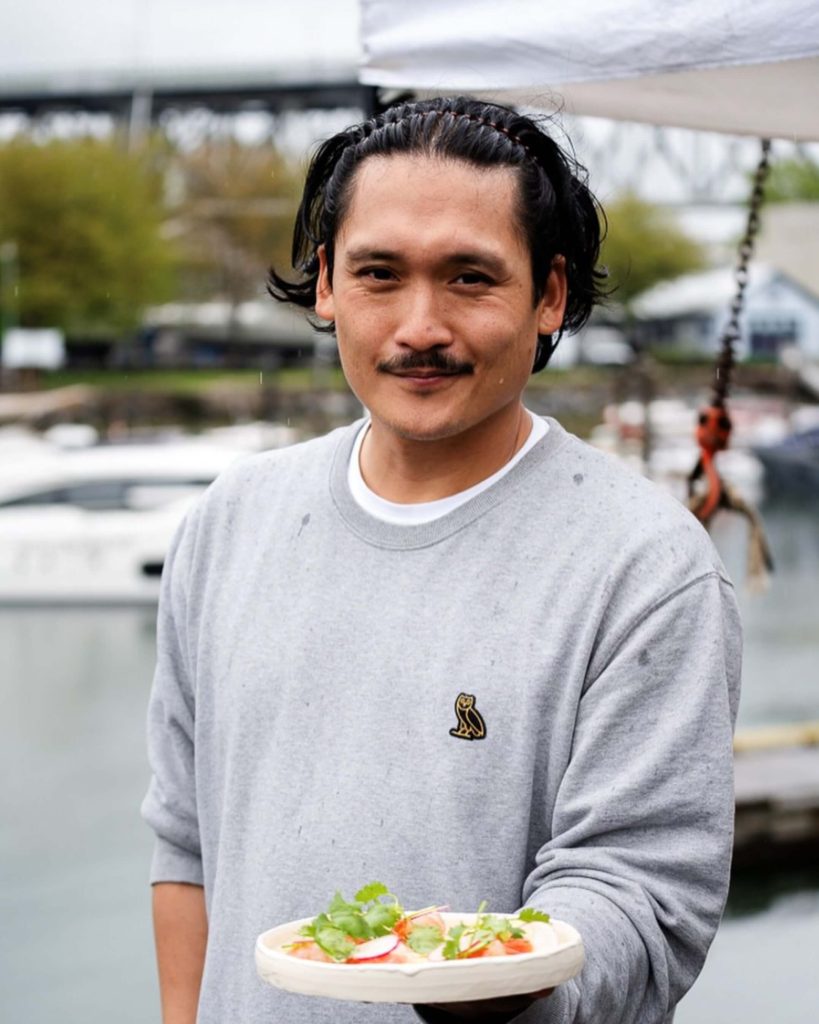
{"x": 325, "y": 306}
{"x": 552, "y": 305}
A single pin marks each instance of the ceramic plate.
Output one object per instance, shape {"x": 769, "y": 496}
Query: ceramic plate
{"x": 558, "y": 956}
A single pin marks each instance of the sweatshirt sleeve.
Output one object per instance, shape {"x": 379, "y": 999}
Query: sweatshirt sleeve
{"x": 170, "y": 804}
{"x": 642, "y": 828}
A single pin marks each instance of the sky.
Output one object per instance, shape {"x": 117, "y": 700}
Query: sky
{"x": 79, "y": 38}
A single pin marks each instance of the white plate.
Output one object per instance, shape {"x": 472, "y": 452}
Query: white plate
{"x": 558, "y": 956}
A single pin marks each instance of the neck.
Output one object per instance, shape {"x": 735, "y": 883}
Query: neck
{"x": 409, "y": 471}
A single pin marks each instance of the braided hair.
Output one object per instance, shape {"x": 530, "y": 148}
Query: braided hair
{"x": 559, "y": 216}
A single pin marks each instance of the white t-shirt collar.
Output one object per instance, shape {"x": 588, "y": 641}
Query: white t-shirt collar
{"x": 426, "y": 511}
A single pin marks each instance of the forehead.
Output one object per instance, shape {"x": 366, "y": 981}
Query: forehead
{"x": 406, "y": 199}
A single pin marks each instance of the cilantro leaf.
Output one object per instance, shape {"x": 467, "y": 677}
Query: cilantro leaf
{"x": 353, "y": 923}
{"x": 365, "y": 917}
{"x": 322, "y": 921}
{"x": 530, "y": 914}
{"x": 381, "y": 918}
{"x": 372, "y": 891}
{"x": 467, "y": 940}
{"x": 339, "y": 905}
{"x": 424, "y": 939}
{"x": 334, "y": 942}
{"x": 452, "y": 946}
{"x": 500, "y": 927}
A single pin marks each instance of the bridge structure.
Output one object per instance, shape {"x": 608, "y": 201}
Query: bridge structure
{"x": 143, "y": 62}
{"x": 139, "y": 100}
{"x": 669, "y": 165}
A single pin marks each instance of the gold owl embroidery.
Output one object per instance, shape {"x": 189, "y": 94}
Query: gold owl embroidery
{"x": 471, "y": 725}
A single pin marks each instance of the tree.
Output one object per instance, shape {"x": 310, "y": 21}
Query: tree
{"x": 793, "y": 181}
{"x": 86, "y": 220}
{"x": 643, "y": 246}
{"x": 234, "y": 216}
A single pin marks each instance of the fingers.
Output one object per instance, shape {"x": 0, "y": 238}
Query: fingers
{"x": 502, "y": 1009}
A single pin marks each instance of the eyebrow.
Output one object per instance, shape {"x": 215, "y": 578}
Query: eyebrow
{"x": 364, "y": 255}
{"x": 472, "y": 257}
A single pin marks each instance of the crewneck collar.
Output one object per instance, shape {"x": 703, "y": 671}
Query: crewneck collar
{"x": 407, "y": 537}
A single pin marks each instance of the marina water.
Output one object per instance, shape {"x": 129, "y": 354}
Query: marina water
{"x": 75, "y": 933}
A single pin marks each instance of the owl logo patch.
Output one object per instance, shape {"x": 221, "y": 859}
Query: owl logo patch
{"x": 471, "y": 725}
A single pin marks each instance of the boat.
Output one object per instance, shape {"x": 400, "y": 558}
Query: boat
{"x": 93, "y": 524}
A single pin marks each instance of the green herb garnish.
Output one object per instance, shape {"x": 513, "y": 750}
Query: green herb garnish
{"x": 375, "y": 911}
{"x": 530, "y": 914}
{"x": 365, "y": 917}
{"x": 467, "y": 940}
{"x": 452, "y": 946}
{"x": 334, "y": 942}
{"x": 371, "y": 892}
{"x": 424, "y": 938}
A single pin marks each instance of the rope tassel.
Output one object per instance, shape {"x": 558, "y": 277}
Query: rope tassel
{"x": 760, "y": 562}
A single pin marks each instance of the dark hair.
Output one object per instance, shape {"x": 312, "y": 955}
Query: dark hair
{"x": 558, "y": 213}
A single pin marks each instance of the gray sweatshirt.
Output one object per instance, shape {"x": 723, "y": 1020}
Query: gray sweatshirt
{"x": 304, "y": 736}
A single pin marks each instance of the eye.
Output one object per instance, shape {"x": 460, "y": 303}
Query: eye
{"x": 473, "y": 278}
{"x": 377, "y": 273}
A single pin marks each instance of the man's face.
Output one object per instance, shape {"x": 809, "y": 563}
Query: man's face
{"x": 432, "y": 296}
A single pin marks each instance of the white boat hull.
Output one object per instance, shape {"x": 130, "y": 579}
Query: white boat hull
{"x": 57, "y": 555}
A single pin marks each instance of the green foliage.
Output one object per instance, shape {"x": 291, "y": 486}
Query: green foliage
{"x": 86, "y": 218}
{"x": 644, "y": 246}
{"x": 793, "y": 181}
{"x": 233, "y": 215}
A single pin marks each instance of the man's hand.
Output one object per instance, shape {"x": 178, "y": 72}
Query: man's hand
{"x": 483, "y": 1011}
{"x": 181, "y": 931}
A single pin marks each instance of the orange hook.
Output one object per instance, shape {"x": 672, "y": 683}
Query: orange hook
{"x": 713, "y": 435}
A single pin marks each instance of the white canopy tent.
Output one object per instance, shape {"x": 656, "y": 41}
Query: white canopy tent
{"x": 719, "y": 65}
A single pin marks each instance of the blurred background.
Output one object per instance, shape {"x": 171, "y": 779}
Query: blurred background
{"x": 151, "y": 157}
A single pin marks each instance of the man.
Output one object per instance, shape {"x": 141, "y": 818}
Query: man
{"x": 331, "y": 611}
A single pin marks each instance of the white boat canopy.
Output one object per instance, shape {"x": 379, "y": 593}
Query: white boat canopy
{"x": 718, "y": 65}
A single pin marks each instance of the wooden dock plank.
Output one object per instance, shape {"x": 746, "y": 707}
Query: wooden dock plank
{"x": 777, "y": 796}
{"x": 779, "y": 775}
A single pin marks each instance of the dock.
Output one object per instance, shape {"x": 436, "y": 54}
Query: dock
{"x": 777, "y": 796}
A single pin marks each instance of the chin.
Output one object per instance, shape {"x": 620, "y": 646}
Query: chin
{"x": 424, "y": 428}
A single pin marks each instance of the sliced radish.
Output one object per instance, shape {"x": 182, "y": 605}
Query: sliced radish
{"x": 374, "y": 948}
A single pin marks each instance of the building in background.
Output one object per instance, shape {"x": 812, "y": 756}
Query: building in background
{"x": 688, "y": 315}
{"x": 259, "y": 333}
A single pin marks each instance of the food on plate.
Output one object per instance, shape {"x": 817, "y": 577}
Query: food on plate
{"x": 373, "y": 928}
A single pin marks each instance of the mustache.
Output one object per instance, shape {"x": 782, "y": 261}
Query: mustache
{"x": 431, "y": 360}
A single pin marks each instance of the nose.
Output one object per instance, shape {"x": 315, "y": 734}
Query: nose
{"x": 423, "y": 321}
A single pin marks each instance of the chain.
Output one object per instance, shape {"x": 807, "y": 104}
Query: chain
{"x": 725, "y": 360}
